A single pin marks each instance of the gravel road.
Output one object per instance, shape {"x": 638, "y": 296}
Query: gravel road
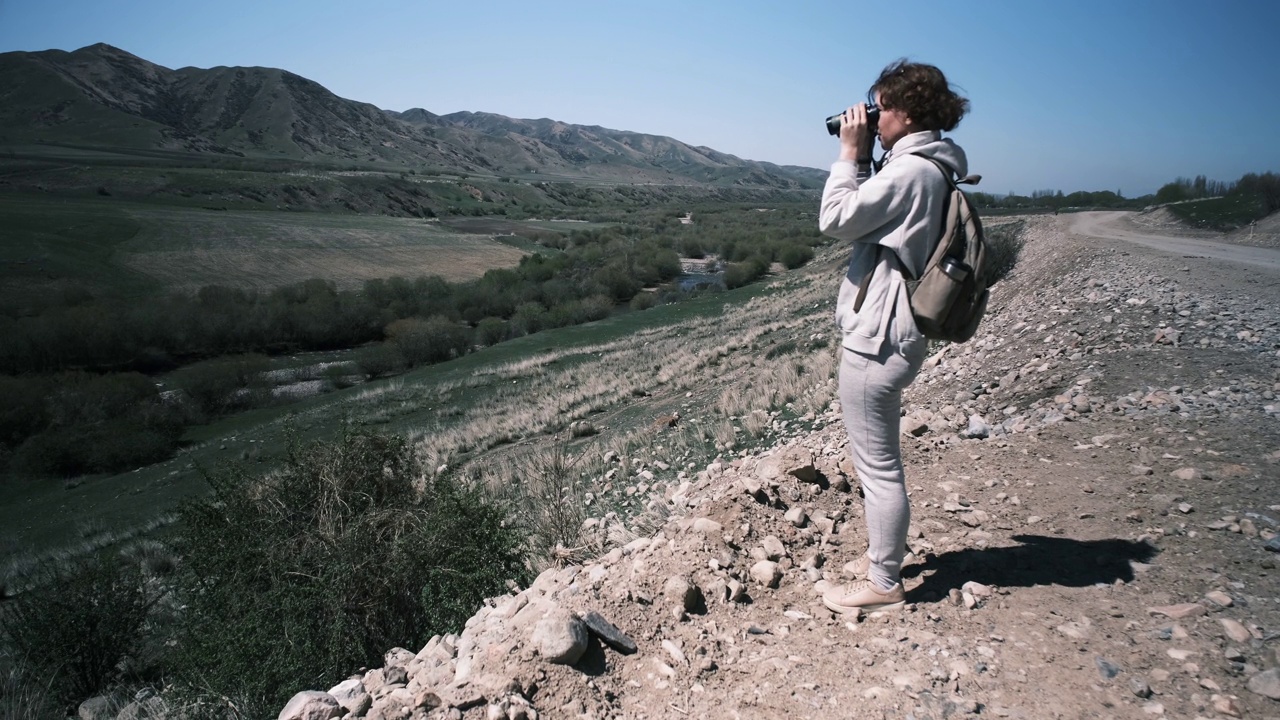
{"x": 1116, "y": 226}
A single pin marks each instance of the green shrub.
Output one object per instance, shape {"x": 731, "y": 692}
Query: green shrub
{"x": 424, "y": 342}
{"x": 74, "y": 629}
{"x": 226, "y": 384}
{"x": 380, "y": 360}
{"x": 644, "y": 300}
{"x": 794, "y": 256}
{"x": 303, "y": 576}
{"x": 739, "y": 274}
{"x": 99, "y": 423}
{"x": 491, "y": 331}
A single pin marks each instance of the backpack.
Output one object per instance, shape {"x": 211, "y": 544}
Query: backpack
{"x": 950, "y": 297}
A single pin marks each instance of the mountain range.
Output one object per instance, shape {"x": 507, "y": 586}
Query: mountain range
{"x": 101, "y": 97}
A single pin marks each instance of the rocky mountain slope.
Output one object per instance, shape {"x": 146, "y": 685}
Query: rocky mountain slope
{"x": 1095, "y": 523}
{"x": 103, "y": 97}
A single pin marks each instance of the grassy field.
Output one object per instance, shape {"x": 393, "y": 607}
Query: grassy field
{"x": 185, "y": 249}
{"x": 132, "y": 248}
{"x": 49, "y": 244}
{"x": 1221, "y": 213}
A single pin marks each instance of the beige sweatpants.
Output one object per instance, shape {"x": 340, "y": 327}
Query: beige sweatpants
{"x": 871, "y": 400}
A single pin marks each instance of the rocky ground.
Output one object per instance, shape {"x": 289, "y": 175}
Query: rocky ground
{"x": 1095, "y": 510}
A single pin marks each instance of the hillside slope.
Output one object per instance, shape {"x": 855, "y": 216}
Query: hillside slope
{"x": 103, "y": 97}
{"x": 1094, "y": 535}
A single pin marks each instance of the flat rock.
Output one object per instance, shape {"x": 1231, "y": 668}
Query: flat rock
{"x": 1178, "y": 612}
{"x": 707, "y": 526}
{"x": 1266, "y": 683}
{"x": 914, "y": 426}
{"x": 1219, "y": 598}
{"x": 1187, "y": 473}
{"x": 1235, "y": 630}
{"x": 796, "y": 462}
{"x": 609, "y": 633}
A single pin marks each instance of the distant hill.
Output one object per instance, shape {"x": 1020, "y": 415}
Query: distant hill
{"x": 101, "y": 96}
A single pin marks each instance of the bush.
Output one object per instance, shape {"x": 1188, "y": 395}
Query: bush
{"x": 491, "y": 331}
{"x": 739, "y": 274}
{"x": 380, "y": 360}
{"x": 77, "y": 626}
{"x": 1004, "y": 245}
{"x": 306, "y": 575}
{"x": 794, "y": 256}
{"x": 99, "y": 423}
{"x": 644, "y": 300}
{"x": 425, "y": 342}
{"x": 226, "y": 384}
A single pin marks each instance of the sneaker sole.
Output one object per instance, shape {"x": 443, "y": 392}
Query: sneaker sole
{"x": 846, "y": 609}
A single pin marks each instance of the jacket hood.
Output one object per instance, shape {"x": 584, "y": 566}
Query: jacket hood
{"x": 931, "y": 144}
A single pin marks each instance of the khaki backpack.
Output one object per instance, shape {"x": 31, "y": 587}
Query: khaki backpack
{"x": 950, "y": 297}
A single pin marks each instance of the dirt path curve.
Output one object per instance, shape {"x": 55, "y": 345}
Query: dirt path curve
{"x": 1114, "y": 226}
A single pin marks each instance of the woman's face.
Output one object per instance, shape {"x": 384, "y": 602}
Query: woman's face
{"x": 893, "y": 125}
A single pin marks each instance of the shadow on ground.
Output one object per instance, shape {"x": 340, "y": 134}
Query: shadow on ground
{"x": 1039, "y": 560}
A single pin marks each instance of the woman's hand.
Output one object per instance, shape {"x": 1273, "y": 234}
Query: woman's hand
{"x": 855, "y": 137}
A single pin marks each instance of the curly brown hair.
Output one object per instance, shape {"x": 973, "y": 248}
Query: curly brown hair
{"x": 922, "y": 92}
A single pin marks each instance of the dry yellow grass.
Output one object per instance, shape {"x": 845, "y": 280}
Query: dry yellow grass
{"x": 186, "y": 249}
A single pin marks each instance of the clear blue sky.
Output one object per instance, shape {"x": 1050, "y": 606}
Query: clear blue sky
{"x": 1072, "y": 95}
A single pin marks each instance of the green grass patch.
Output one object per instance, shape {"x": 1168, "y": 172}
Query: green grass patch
{"x": 49, "y": 245}
{"x": 1221, "y": 213}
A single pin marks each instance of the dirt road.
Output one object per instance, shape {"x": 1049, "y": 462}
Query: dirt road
{"x": 1115, "y": 226}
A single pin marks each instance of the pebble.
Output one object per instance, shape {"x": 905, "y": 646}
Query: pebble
{"x": 1219, "y": 598}
{"x": 773, "y": 548}
{"x": 1266, "y": 683}
{"x": 1140, "y": 687}
{"x": 1178, "y": 612}
{"x": 1235, "y": 630}
{"x": 1225, "y": 706}
{"x": 767, "y": 573}
{"x": 797, "y": 516}
{"x": 685, "y": 594}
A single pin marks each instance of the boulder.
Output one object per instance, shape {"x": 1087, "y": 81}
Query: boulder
{"x": 311, "y": 705}
{"x": 352, "y": 696}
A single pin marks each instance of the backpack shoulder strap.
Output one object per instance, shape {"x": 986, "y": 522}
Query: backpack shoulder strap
{"x": 953, "y": 177}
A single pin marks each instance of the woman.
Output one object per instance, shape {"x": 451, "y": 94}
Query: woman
{"x": 893, "y": 219}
